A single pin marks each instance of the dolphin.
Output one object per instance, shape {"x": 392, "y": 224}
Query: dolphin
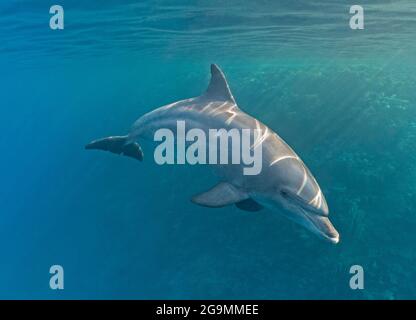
{"x": 284, "y": 184}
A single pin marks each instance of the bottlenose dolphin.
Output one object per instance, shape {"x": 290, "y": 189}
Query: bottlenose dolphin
{"x": 284, "y": 184}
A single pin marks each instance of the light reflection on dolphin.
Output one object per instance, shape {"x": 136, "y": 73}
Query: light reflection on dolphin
{"x": 284, "y": 184}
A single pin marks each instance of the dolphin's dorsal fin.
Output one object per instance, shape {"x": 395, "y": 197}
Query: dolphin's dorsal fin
{"x": 218, "y": 88}
{"x": 223, "y": 194}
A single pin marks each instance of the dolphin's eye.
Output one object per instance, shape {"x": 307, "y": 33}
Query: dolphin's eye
{"x": 284, "y": 193}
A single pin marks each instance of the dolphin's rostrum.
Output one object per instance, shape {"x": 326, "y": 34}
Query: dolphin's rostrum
{"x": 284, "y": 184}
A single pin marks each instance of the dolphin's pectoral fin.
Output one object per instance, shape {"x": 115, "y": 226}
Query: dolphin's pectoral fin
{"x": 117, "y": 145}
{"x": 133, "y": 150}
{"x": 249, "y": 205}
{"x": 223, "y": 194}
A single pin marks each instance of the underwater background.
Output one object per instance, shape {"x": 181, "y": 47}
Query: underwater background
{"x": 344, "y": 99}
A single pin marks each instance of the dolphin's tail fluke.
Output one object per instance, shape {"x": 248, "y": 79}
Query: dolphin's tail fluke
{"x": 118, "y": 145}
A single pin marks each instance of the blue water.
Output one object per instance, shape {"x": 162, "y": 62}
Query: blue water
{"x": 344, "y": 100}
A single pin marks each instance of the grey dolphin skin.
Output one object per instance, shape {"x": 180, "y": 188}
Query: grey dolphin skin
{"x": 284, "y": 184}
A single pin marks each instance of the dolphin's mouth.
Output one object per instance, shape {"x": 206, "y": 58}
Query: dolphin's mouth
{"x": 322, "y": 226}
{"x": 301, "y": 202}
